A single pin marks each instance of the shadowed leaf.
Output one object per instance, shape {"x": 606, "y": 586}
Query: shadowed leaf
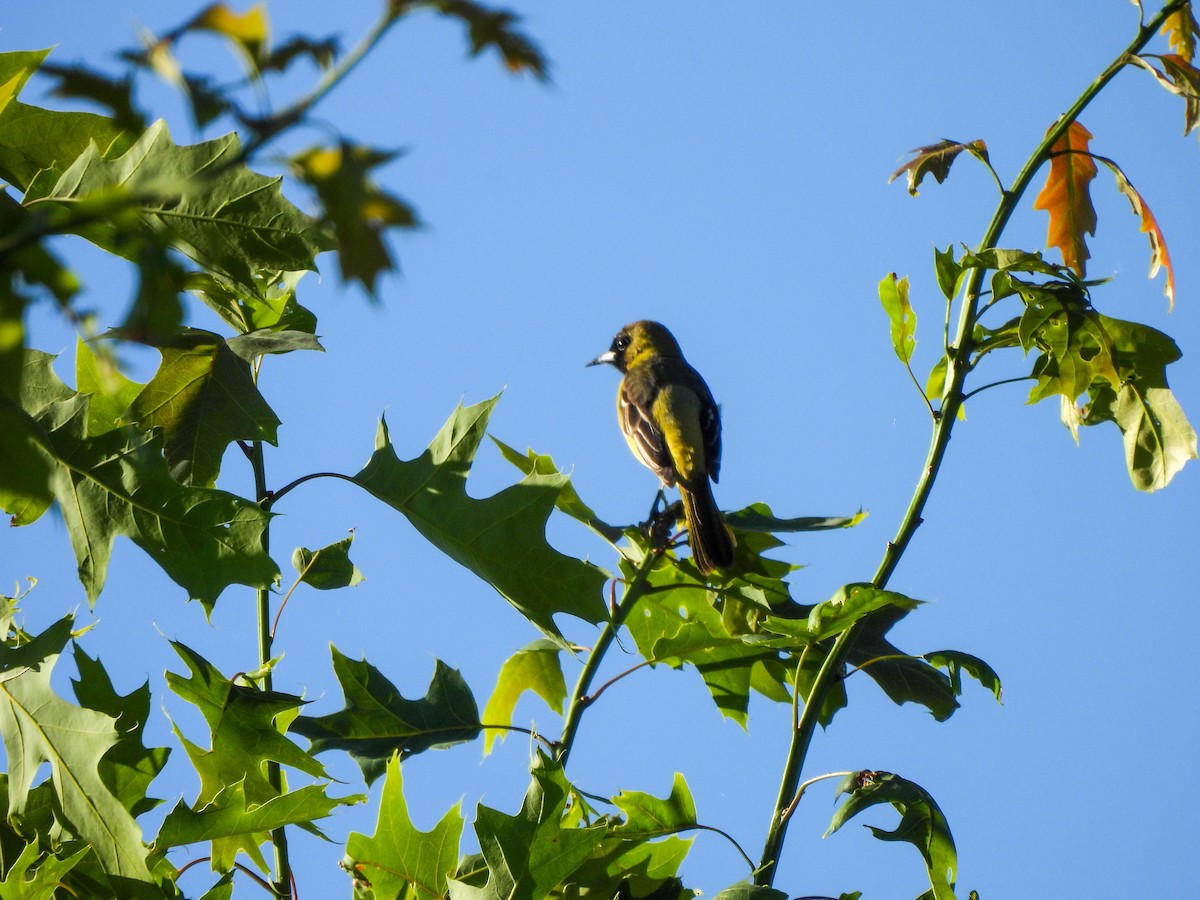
{"x": 921, "y": 823}
{"x": 204, "y": 398}
{"x": 378, "y": 721}
{"x": 118, "y": 484}
{"x": 936, "y": 160}
{"x": 481, "y": 534}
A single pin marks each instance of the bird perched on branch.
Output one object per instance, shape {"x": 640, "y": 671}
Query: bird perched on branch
{"x": 672, "y": 425}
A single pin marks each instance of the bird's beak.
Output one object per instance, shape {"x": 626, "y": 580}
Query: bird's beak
{"x": 606, "y": 357}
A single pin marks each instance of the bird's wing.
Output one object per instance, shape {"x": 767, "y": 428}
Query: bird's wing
{"x": 644, "y": 437}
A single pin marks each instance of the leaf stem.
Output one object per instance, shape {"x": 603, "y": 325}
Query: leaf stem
{"x": 270, "y": 498}
{"x": 958, "y": 367}
{"x": 283, "y": 870}
{"x": 580, "y": 700}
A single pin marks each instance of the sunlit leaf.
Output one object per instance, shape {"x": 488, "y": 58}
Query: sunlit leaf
{"x": 935, "y": 160}
{"x": 955, "y": 662}
{"x": 33, "y": 139}
{"x": 249, "y": 31}
{"x": 530, "y": 853}
{"x": 480, "y": 534}
{"x": 1067, "y": 199}
{"x": 758, "y": 517}
{"x": 109, "y": 392}
{"x": 244, "y": 736}
{"x": 1185, "y": 81}
{"x": 922, "y": 823}
{"x": 399, "y": 859}
{"x": 40, "y": 727}
{"x": 893, "y": 294}
{"x": 1158, "y": 438}
{"x": 26, "y": 881}
{"x": 328, "y": 568}
{"x": 1181, "y": 30}
{"x": 649, "y": 816}
{"x": 378, "y": 721}
{"x": 568, "y": 501}
{"x": 211, "y": 207}
{"x": 1159, "y": 257}
{"x": 536, "y": 668}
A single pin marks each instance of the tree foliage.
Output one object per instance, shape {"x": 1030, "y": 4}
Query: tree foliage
{"x": 200, "y": 223}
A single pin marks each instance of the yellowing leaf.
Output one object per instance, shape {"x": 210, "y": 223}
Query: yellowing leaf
{"x": 249, "y": 30}
{"x": 533, "y": 668}
{"x": 1159, "y": 257}
{"x": 935, "y": 160}
{"x": 1181, "y": 30}
{"x": 1066, "y": 198}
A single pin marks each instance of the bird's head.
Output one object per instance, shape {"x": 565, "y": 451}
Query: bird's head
{"x": 637, "y": 341}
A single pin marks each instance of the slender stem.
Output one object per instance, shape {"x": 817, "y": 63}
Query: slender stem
{"x": 273, "y": 497}
{"x": 579, "y": 697}
{"x": 270, "y": 127}
{"x": 959, "y": 366}
{"x": 283, "y": 870}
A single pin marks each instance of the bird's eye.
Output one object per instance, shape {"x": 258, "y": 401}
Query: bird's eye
{"x": 621, "y": 342}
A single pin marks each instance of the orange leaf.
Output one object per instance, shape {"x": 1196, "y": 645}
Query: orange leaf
{"x": 1065, "y": 197}
{"x": 1159, "y": 257}
{"x": 1181, "y": 30}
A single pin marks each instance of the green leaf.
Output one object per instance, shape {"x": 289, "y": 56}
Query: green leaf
{"x": 230, "y": 818}
{"x": 328, "y": 568}
{"x": 678, "y": 624}
{"x": 267, "y": 340}
{"x": 356, "y": 208}
{"x": 25, "y": 881}
{"x": 378, "y": 721}
{"x": 109, "y": 392}
{"x": 750, "y": 892}
{"x": 893, "y": 294}
{"x": 530, "y": 853}
{"x": 33, "y": 139}
{"x": 903, "y": 677}
{"x": 1076, "y": 347}
{"x": 39, "y": 727}
{"x": 534, "y": 667}
{"x": 647, "y": 816}
{"x": 1158, "y": 438}
{"x": 399, "y": 858}
{"x": 921, "y": 822}
{"x": 129, "y": 766}
{"x": 839, "y": 613}
{"x": 244, "y": 726}
{"x": 215, "y": 210}
{"x": 480, "y": 534}
{"x": 949, "y": 272}
{"x": 758, "y": 517}
{"x": 568, "y": 501}
{"x": 204, "y": 398}
{"x": 955, "y": 662}
{"x": 267, "y": 306}
{"x": 118, "y": 484}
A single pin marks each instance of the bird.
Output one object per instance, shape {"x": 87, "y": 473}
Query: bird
{"x": 673, "y": 426}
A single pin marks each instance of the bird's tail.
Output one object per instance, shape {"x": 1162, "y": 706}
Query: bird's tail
{"x": 709, "y": 536}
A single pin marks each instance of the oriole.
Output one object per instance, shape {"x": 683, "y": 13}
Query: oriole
{"x": 672, "y": 425}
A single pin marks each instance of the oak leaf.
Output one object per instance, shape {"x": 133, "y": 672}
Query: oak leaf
{"x": 1067, "y": 199}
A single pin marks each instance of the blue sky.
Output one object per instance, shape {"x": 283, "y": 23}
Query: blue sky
{"x": 724, "y": 170}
